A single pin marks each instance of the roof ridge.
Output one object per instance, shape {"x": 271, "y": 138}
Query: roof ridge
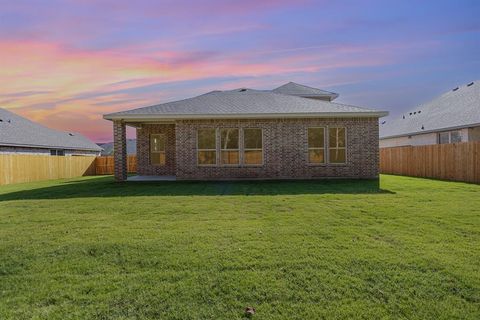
{"x": 303, "y": 85}
{"x": 159, "y": 104}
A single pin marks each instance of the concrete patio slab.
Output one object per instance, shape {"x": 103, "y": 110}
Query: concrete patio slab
{"x": 151, "y": 178}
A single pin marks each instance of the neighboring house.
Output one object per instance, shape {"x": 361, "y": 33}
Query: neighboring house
{"x": 108, "y": 147}
{"x": 452, "y": 117}
{"x": 22, "y": 136}
{"x": 247, "y": 134}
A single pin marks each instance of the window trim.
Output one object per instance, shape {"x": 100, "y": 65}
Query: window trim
{"x": 439, "y": 140}
{"x": 459, "y": 135}
{"x": 325, "y": 130}
{"x": 57, "y": 152}
{"x": 150, "y": 150}
{"x": 216, "y": 148}
{"x": 249, "y": 149}
{"x": 221, "y": 149}
{"x": 346, "y": 146}
{"x": 449, "y": 134}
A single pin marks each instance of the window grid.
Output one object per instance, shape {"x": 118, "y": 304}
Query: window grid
{"x": 229, "y": 156}
{"x": 206, "y": 150}
{"x": 252, "y": 150}
{"x": 337, "y": 148}
{"x": 157, "y": 149}
{"x": 312, "y": 149}
{"x": 449, "y": 137}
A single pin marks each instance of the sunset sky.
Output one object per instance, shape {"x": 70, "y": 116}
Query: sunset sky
{"x": 65, "y": 63}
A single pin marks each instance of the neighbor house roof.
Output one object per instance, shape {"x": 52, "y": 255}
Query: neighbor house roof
{"x": 457, "y": 108}
{"x": 20, "y": 132}
{"x": 108, "y": 147}
{"x": 244, "y": 103}
{"x": 301, "y": 90}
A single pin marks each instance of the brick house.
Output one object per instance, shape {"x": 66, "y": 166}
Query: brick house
{"x": 291, "y": 132}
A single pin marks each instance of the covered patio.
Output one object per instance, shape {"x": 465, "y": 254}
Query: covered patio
{"x": 152, "y": 164}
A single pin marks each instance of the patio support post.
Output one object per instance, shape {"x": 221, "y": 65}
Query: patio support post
{"x": 120, "y": 150}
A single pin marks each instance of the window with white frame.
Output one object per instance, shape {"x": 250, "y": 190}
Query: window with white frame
{"x": 449, "y": 137}
{"x": 337, "y": 145}
{"x": 443, "y": 137}
{"x": 455, "y": 137}
{"x": 157, "y": 149}
{"x": 316, "y": 145}
{"x": 207, "y": 146}
{"x": 57, "y": 152}
{"x": 252, "y": 146}
{"x": 229, "y": 146}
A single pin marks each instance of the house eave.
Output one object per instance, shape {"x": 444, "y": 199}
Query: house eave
{"x": 19, "y": 145}
{"x": 173, "y": 117}
{"x": 416, "y": 133}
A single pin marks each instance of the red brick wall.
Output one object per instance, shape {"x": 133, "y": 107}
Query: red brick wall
{"x": 284, "y": 146}
{"x": 143, "y": 150}
{"x": 120, "y": 150}
{"x": 285, "y": 150}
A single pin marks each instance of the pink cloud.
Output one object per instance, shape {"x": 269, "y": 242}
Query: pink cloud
{"x": 79, "y": 86}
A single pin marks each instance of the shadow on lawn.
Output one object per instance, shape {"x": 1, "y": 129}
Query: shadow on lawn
{"x": 105, "y": 187}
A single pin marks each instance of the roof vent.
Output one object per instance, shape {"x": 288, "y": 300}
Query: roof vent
{"x": 410, "y": 113}
{"x": 242, "y": 90}
{"x": 1, "y": 120}
{"x": 470, "y": 84}
{"x": 403, "y": 116}
{"x": 415, "y": 112}
{"x": 423, "y": 128}
{"x": 419, "y": 111}
{"x": 455, "y": 89}
{"x": 383, "y": 122}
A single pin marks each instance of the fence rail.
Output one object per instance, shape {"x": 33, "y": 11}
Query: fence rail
{"x": 457, "y": 161}
{"x": 16, "y": 168}
{"x": 105, "y": 164}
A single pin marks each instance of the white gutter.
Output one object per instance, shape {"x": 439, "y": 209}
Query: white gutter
{"x": 157, "y": 117}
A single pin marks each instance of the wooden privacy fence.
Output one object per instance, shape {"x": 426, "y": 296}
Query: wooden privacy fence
{"x": 105, "y": 164}
{"x": 16, "y": 168}
{"x": 457, "y": 161}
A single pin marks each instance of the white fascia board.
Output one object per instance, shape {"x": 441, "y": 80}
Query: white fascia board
{"x": 166, "y": 117}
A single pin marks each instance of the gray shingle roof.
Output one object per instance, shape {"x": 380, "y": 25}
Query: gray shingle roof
{"x": 301, "y": 90}
{"x": 18, "y": 131}
{"x": 453, "y": 109}
{"x": 108, "y": 147}
{"x": 242, "y": 103}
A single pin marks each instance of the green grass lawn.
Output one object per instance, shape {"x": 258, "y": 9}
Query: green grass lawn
{"x": 90, "y": 248}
